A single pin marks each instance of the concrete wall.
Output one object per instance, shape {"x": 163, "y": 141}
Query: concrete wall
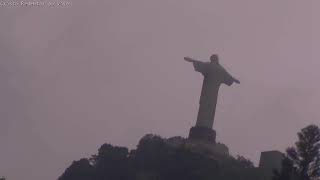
{"x": 269, "y": 161}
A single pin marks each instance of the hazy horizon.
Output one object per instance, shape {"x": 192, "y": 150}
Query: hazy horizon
{"x": 97, "y": 72}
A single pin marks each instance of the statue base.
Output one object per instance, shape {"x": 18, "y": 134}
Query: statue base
{"x": 204, "y": 134}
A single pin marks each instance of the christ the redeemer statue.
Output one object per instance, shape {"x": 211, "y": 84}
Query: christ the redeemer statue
{"x": 214, "y": 75}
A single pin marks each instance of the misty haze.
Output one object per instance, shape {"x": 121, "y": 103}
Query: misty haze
{"x": 121, "y": 89}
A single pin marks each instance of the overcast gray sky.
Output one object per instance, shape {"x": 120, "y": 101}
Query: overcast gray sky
{"x": 111, "y": 71}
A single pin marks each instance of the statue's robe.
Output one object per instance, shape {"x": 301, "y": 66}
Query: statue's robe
{"x": 214, "y": 75}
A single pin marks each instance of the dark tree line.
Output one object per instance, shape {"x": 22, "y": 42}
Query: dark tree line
{"x": 156, "y": 159}
{"x": 302, "y": 162}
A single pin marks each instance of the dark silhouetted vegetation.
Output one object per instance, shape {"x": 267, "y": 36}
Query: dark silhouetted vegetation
{"x": 156, "y": 158}
{"x": 245, "y": 162}
{"x": 302, "y": 162}
{"x": 287, "y": 172}
{"x": 159, "y": 159}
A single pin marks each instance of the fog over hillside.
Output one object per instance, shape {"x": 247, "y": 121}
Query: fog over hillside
{"x": 73, "y": 78}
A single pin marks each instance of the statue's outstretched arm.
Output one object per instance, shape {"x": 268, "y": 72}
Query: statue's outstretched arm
{"x": 236, "y": 80}
{"x": 233, "y": 79}
{"x": 229, "y": 80}
{"x": 198, "y": 65}
{"x": 189, "y": 59}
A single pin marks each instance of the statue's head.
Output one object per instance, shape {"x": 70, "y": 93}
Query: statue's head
{"x": 214, "y": 58}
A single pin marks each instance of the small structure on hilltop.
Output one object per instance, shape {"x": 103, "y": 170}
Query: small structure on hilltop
{"x": 270, "y": 161}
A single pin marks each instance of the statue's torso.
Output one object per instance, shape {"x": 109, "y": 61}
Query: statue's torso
{"x": 214, "y": 75}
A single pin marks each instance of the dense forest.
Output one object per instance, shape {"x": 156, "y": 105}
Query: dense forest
{"x": 157, "y": 158}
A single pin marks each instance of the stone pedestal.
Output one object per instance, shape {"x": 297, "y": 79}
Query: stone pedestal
{"x": 204, "y": 134}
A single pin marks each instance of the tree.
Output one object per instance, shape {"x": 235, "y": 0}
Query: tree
{"x": 159, "y": 159}
{"x": 111, "y": 163}
{"x": 247, "y": 163}
{"x": 287, "y": 170}
{"x": 303, "y": 160}
{"x": 79, "y": 170}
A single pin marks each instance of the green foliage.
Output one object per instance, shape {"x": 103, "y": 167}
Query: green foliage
{"x": 303, "y": 160}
